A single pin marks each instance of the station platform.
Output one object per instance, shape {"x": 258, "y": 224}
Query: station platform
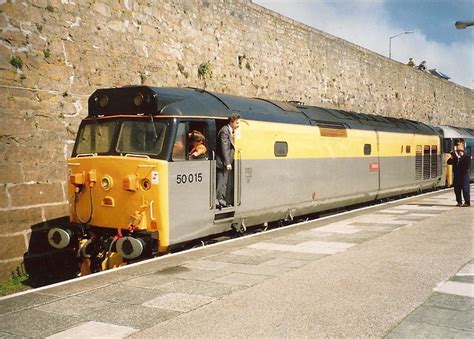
{"x": 403, "y": 269}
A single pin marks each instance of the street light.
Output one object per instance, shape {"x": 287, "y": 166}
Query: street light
{"x": 463, "y": 24}
{"x": 390, "y": 42}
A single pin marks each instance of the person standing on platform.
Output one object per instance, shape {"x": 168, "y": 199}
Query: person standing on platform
{"x": 461, "y": 164}
{"x": 225, "y": 161}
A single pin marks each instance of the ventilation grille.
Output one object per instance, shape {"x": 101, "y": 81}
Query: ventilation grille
{"x": 426, "y": 162}
{"x": 434, "y": 161}
{"x": 418, "y": 162}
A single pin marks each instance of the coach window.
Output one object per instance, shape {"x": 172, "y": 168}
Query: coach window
{"x": 448, "y": 145}
{"x": 280, "y": 148}
{"x": 367, "y": 149}
{"x": 468, "y": 150}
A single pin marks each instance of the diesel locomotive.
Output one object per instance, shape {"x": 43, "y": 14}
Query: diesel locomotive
{"x": 134, "y": 194}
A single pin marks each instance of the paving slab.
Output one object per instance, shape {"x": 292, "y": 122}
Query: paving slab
{"x": 451, "y": 301}
{"x": 151, "y": 280}
{"x": 88, "y": 283}
{"x": 309, "y": 247}
{"x": 204, "y": 288}
{"x": 444, "y": 317}
{"x": 134, "y": 316}
{"x": 123, "y": 294}
{"x": 25, "y": 301}
{"x": 467, "y": 270}
{"x": 74, "y": 306}
{"x": 255, "y": 269}
{"x": 415, "y": 330}
{"x": 457, "y": 288}
{"x": 234, "y": 258}
{"x": 206, "y": 264}
{"x": 469, "y": 279}
{"x": 34, "y": 323}
{"x": 242, "y": 279}
{"x": 93, "y": 329}
{"x": 282, "y": 262}
{"x": 179, "y": 302}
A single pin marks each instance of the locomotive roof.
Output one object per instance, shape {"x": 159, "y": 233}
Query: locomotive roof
{"x": 146, "y": 100}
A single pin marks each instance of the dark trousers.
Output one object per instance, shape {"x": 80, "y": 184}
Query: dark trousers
{"x": 462, "y": 185}
{"x": 225, "y": 186}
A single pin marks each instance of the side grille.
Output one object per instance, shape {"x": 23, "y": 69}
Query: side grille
{"x": 426, "y": 162}
{"x": 434, "y": 161}
{"x": 418, "y": 162}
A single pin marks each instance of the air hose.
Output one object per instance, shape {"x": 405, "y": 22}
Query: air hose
{"x": 91, "y": 209}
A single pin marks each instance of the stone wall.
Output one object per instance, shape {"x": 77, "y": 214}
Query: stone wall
{"x": 55, "y": 53}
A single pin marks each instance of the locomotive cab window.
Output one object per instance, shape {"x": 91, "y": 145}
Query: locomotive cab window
{"x": 141, "y": 137}
{"x": 407, "y": 149}
{"x": 95, "y": 137}
{"x": 191, "y": 142}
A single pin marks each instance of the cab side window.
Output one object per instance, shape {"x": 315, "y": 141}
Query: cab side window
{"x": 179, "y": 146}
{"x": 191, "y": 142}
{"x": 197, "y": 141}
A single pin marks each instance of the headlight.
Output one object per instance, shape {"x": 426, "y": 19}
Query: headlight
{"x": 59, "y": 238}
{"x": 106, "y": 183}
{"x": 103, "y": 101}
{"x": 138, "y": 99}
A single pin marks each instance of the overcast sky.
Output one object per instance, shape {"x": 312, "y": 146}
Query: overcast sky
{"x": 370, "y": 23}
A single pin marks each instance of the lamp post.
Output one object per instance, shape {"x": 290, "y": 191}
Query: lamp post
{"x": 390, "y": 42}
{"x": 463, "y": 24}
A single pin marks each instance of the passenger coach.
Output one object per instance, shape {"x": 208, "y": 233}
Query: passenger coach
{"x": 451, "y": 135}
{"x": 133, "y": 193}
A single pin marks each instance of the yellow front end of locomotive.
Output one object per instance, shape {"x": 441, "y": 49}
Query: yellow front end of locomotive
{"x": 120, "y": 192}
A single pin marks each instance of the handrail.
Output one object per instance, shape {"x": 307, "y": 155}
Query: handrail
{"x": 212, "y": 186}
{"x": 137, "y": 156}
{"x": 239, "y": 178}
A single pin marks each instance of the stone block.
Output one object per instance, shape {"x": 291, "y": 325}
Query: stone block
{"x": 4, "y": 199}
{"x": 17, "y": 220}
{"x": 56, "y": 211}
{"x": 34, "y": 194}
{"x": 12, "y": 246}
{"x": 10, "y": 174}
{"x": 17, "y": 126}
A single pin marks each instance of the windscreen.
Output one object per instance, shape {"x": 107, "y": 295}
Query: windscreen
{"x": 141, "y": 137}
{"x": 121, "y": 137}
{"x": 96, "y": 137}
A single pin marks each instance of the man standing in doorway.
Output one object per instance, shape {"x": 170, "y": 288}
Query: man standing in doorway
{"x": 225, "y": 161}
